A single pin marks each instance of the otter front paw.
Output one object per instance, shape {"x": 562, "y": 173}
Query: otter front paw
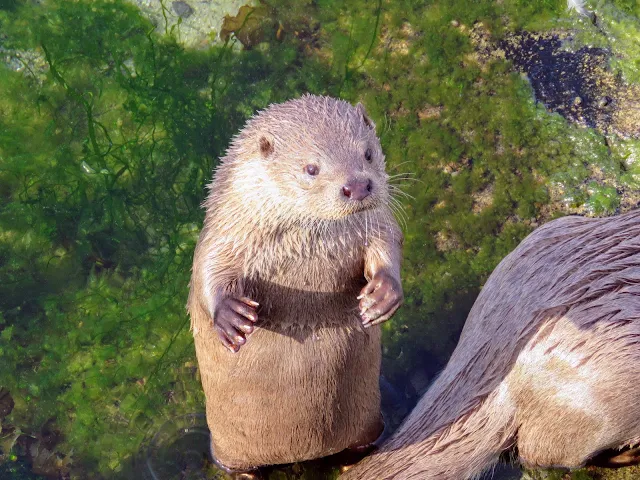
{"x": 233, "y": 321}
{"x": 379, "y": 299}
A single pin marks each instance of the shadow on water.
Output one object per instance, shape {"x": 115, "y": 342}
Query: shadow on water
{"x": 180, "y": 449}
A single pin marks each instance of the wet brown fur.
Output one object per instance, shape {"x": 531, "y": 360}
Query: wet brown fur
{"x": 305, "y": 385}
{"x": 548, "y": 362}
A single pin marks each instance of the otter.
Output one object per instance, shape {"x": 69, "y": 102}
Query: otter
{"x": 547, "y": 363}
{"x": 295, "y": 268}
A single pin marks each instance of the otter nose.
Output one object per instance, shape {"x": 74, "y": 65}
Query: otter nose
{"x": 357, "y": 189}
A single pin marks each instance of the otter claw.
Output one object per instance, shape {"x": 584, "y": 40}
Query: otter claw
{"x": 233, "y": 321}
{"x": 380, "y": 299}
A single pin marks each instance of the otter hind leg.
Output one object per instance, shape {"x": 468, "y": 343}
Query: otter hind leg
{"x": 253, "y": 475}
{"x": 573, "y": 403}
{"x": 234, "y": 474}
{"x": 370, "y": 439}
{"x": 555, "y": 433}
{"x": 617, "y": 458}
{"x": 356, "y": 452}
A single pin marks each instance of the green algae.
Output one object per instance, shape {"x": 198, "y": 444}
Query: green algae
{"x": 103, "y": 171}
{"x": 107, "y": 143}
{"x": 590, "y": 473}
{"x": 618, "y": 31}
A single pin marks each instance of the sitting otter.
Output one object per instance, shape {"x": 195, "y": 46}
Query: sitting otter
{"x": 548, "y": 362}
{"x": 297, "y": 264}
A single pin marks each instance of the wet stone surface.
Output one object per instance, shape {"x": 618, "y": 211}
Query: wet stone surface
{"x": 577, "y": 83}
{"x": 182, "y": 9}
{"x": 6, "y": 402}
{"x": 196, "y": 23}
{"x": 569, "y": 83}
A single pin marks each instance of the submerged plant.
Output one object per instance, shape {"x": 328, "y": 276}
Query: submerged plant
{"x": 579, "y": 6}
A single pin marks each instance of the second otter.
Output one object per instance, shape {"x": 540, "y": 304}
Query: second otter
{"x": 547, "y": 363}
{"x": 298, "y": 254}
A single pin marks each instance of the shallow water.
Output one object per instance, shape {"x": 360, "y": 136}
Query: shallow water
{"x": 112, "y": 116}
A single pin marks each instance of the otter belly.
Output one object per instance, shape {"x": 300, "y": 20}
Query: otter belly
{"x": 293, "y": 392}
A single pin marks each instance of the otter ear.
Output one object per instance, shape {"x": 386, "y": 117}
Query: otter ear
{"x": 365, "y": 118}
{"x": 266, "y": 144}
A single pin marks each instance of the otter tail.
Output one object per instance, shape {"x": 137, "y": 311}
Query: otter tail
{"x": 461, "y": 450}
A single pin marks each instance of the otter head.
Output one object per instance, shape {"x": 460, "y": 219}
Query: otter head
{"x": 317, "y": 158}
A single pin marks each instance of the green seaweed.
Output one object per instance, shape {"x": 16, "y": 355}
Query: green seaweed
{"x": 108, "y": 139}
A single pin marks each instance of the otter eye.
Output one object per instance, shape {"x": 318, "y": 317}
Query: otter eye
{"x": 312, "y": 169}
{"x": 368, "y": 155}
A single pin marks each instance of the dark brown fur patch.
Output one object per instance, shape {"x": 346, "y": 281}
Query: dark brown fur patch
{"x": 266, "y": 147}
{"x": 365, "y": 118}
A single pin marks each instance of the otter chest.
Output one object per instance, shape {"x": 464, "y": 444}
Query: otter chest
{"x": 306, "y": 261}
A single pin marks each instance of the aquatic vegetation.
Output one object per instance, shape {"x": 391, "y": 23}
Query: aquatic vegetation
{"x": 588, "y": 474}
{"x": 103, "y": 171}
{"x": 579, "y": 7}
{"x": 109, "y": 131}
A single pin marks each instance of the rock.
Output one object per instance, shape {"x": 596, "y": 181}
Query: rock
{"x": 395, "y": 405}
{"x": 6, "y": 402}
{"x": 502, "y": 471}
{"x": 566, "y": 82}
{"x": 182, "y": 9}
{"x": 579, "y": 85}
{"x": 250, "y": 26}
{"x": 200, "y": 22}
{"x": 419, "y": 380}
{"x": 31, "y": 63}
